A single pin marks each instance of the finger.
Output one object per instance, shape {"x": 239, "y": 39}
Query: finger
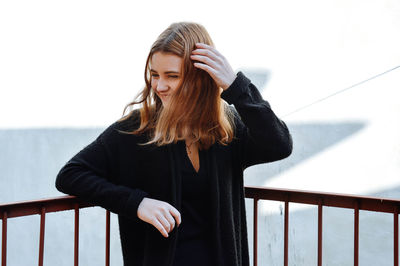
{"x": 206, "y": 68}
{"x": 205, "y": 60}
{"x": 166, "y": 224}
{"x": 176, "y": 215}
{"x": 207, "y": 53}
{"x": 170, "y": 219}
{"x": 209, "y": 47}
{"x": 160, "y": 228}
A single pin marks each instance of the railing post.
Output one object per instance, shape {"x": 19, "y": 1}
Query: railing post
{"x": 107, "y": 238}
{"x": 255, "y": 227}
{"x": 286, "y": 234}
{"x": 356, "y": 233}
{"x": 42, "y": 230}
{"x": 76, "y": 240}
{"x": 320, "y": 232}
{"x": 396, "y": 235}
{"x": 4, "y": 240}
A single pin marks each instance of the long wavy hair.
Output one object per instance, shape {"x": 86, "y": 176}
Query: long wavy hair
{"x": 196, "y": 107}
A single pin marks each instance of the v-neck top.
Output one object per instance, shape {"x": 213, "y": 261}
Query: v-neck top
{"x": 194, "y": 246}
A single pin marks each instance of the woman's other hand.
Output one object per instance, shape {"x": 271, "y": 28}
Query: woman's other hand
{"x": 209, "y": 59}
{"x": 160, "y": 214}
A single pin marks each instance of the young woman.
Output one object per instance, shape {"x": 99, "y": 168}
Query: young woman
{"x": 172, "y": 169}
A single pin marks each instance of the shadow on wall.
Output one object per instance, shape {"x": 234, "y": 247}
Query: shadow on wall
{"x": 31, "y": 158}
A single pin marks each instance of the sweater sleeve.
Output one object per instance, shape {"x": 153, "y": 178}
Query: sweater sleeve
{"x": 261, "y": 136}
{"x": 89, "y": 176}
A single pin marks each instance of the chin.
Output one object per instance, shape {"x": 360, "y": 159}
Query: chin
{"x": 164, "y": 103}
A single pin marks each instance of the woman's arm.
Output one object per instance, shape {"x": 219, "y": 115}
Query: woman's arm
{"x": 89, "y": 176}
{"x": 262, "y": 136}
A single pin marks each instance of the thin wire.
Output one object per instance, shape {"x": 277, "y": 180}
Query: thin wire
{"x": 340, "y": 91}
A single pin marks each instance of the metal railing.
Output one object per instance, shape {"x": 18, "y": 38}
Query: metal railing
{"x": 41, "y": 207}
{"x": 357, "y": 203}
{"x": 320, "y": 199}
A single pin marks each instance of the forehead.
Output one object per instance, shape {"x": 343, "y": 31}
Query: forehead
{"x": 162, "y": 62}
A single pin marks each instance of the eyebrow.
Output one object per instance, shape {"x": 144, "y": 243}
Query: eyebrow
{"x": 166, "y": 72}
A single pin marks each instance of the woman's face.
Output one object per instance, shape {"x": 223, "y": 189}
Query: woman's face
{"x": 165, "y": 75}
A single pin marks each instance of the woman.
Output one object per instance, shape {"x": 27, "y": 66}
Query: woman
{"x": 173, "y": 169}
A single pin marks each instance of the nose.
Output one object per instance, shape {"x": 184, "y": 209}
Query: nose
{"x": 162, "y": 85}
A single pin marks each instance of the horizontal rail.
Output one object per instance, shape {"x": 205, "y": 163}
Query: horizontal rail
{"x": 62, "y": 203}
{"x": 329, "y": 199}
{"x": 31, "y": 207}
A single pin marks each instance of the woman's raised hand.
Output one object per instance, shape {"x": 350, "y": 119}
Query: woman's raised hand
{"x": 212, "y": 61}
{"x": 160, "y": 214}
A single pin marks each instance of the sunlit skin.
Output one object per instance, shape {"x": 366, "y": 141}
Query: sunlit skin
{"x": 165, "y": 75}
{"x": 214, "y": 63}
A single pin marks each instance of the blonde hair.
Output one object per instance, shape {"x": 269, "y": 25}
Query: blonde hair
{"x": 196, "y": 107}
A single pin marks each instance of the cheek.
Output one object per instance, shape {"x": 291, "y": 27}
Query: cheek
{"x": 175, "y": 86}
{"x": 153, "y": 84}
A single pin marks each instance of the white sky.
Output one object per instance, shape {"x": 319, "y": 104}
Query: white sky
{"x": 78, "y": 63}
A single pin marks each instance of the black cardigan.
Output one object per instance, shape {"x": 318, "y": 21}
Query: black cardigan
{"x": 116, "y": 173}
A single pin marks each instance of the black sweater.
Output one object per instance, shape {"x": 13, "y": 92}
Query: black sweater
{"x": 194, "y": 246}
{"x": 116, "y": 173}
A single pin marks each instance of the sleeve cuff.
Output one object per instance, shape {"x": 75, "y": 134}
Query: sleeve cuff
{"x": 133, "y": 203}
{"x": 238, "y": 86}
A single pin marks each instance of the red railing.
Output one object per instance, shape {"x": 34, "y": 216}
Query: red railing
{"x": 43, "y": 206}
{"x": 319, "y": 199}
